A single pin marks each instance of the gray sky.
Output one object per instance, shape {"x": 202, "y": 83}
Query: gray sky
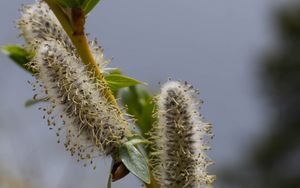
{"x": 212, "y": 44}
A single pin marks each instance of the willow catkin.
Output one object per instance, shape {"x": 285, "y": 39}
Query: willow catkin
{"x": 178, "y": 154}
{"x": 92, "y": 125}
{"x": 85, "y": 120}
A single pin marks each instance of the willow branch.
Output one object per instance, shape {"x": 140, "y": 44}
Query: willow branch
{"x": 75, "y": 31}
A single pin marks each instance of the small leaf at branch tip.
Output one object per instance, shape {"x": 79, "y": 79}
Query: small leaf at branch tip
{"x": 89, "y": 5}
{"x": 118, "y": 81}
{"x": 85, "y": 5}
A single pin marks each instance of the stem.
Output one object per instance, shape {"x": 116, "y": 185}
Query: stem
{"x": 153, "y": 183}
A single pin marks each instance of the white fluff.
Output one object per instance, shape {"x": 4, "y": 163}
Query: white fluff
{"x": 92, "y": 125}
{"x": 88, "y": 124}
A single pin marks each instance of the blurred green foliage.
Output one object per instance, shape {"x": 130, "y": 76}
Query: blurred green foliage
{"x": 273, "y": 160}
{"x": 281, "y": 78}
{"x": 139, "y": 104}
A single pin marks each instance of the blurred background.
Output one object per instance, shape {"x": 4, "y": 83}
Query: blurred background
{"x": 244, "y": 56}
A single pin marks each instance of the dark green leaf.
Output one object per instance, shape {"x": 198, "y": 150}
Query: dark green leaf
{"x": 117, "y": 81}
{"x": 135, "y": 162}
{"x": 81, "y": 2}
{"x": 70, "y": 3}
{"x": 32, "y": 102}
{"x": 88, "y": 5}
{"x": 139, "y": 104}
{"x": 19, "y": 55}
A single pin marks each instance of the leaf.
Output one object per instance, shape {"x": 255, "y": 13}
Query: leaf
{"x": 69, "y": 3}
{"x": 137, "y": 139}
{"x": 32, "y": 102}
{"x": 113, "y": 70}
{"x": 85, "y": 5}
{"x": 135, "y": 162}
{"x": 88, "y": 5}
{"x": 19, "y": 55}
{"x": 117, "y": 81}
{"x": 139, "y": 104}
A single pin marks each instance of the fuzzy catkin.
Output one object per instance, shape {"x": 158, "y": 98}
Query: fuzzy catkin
{"x": 87, "y": 123}
{"x": 92, "y": 125}
{"x": 178, "y": 152}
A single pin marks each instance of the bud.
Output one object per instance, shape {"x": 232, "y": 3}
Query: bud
{"x": 178, "y": 152}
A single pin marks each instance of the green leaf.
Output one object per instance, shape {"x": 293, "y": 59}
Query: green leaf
{"x": 32, "y": 102}
{"x": 139, "y": 104}
{"x": 135, "y": 162}
{"x": 85, "y": 5}
{"x": 88, "y": 5}
{"x": 137, "y": 139}
{"x": 113, "y": 70}
{"x": 19, "y": 55}
{"x": 70, "y": 3}
{"x": 117, "y": 81}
